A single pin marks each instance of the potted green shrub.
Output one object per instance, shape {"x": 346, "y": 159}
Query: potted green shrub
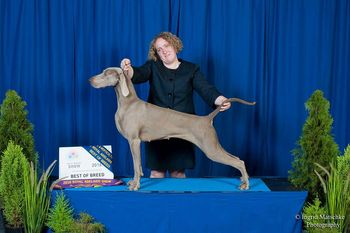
{"x": 86, "y": 224}
{"x": 12, "y": 186}
{"x": 60, "y": 218}
{"x": 15, "y": 126}
{"x": 312, "y": 213}
{"x": 337, "y": 194}
{"x": 316, "y": 144}
{"x": 37, "y": 196}
{"x": 336, "y": 187}
{"x": 344, "y": 163}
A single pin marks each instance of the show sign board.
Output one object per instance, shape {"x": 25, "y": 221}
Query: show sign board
{"x": 85, "y": 162}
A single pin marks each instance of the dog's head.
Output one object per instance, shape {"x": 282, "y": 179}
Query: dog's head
{"x": 110, "y": 77}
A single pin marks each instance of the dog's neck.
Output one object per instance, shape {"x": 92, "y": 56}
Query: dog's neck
{"x": 126, "y": 100}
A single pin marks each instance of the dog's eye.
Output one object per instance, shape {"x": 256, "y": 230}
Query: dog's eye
{"x": 109, "y": 72}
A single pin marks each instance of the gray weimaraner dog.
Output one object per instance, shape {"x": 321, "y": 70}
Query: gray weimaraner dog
{"x": 139, "y": 121}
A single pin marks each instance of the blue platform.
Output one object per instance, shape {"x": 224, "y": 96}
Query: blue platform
{"x": 211, "y": 205}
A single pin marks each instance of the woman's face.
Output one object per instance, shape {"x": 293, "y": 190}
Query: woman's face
{"x": 165, "y": 51}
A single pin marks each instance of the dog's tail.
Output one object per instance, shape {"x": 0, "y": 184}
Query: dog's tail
{"x": 217, "y": 110}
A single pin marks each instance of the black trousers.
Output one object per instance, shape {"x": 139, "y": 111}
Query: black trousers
{"x": 172, "y": 154}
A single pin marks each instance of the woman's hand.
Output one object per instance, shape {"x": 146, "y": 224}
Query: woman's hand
{"x": 220, "y": 102}
{"x": 125, "y": 65}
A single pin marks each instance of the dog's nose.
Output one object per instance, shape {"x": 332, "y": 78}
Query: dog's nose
{"x": 92, "y": 81}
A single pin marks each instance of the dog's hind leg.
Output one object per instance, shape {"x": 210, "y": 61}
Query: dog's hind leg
{"x": 221, "y": 156}
{"x": 226, "y": 158}
{"x": 136, "y": 157}
{"x": 211, "y": 147}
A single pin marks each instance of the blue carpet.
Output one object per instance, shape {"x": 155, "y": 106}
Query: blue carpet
{"x": 187, "y": 185}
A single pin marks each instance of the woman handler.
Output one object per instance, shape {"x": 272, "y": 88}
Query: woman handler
{"x": 172, "y": 81}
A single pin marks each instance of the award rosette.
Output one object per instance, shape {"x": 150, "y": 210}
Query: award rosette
{"x": 86, "y": 166}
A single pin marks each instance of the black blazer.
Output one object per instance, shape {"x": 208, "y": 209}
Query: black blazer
{"x": 174, "y": 88}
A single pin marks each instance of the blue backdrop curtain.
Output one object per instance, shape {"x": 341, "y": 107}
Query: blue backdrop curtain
{"x": 273, "y": 52}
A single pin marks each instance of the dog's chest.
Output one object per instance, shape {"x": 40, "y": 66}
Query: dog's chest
{"x": 119, "y": 124}
{"x": 124, "y": 126}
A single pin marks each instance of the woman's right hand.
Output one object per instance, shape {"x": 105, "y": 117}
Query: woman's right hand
{"x": 125, "y": 65}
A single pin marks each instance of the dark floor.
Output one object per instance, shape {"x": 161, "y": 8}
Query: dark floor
{"x": 279, "y": 184}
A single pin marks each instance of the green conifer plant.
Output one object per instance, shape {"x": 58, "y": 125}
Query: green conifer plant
{"x": 60, "y": 218}
{"x": 312, "y": 215}
{"x": 12, "y": 184}
{"x": 15, "y": 126}
{"x": 316, "y": 144}
{"x": 86, "y": 224}
{"x": 344, "y": 164}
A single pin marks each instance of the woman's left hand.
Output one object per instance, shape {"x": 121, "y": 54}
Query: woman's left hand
{"x": 220, "y": 102}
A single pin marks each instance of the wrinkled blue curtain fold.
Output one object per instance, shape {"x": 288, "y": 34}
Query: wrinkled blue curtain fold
{"x": 273, "y": 52}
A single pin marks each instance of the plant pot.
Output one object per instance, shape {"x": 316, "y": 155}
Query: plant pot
{"x": 6, "y": 227}
{"x": 9, "y": 229}
{"x": 2, "y": 223}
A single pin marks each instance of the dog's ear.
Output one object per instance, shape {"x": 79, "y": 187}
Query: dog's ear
{"x": 123, "y": 86}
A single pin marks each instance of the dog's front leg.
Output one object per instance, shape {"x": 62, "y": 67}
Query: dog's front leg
{"x": 136, "y": 157}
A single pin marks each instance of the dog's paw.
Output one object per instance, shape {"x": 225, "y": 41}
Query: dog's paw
{"x": 244, "y": 186}
{"x": 244, "y": 183}
{"x": 134, "y": 185}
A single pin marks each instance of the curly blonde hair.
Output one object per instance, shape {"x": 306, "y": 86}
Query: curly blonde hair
{"x": 170, "y": 38}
